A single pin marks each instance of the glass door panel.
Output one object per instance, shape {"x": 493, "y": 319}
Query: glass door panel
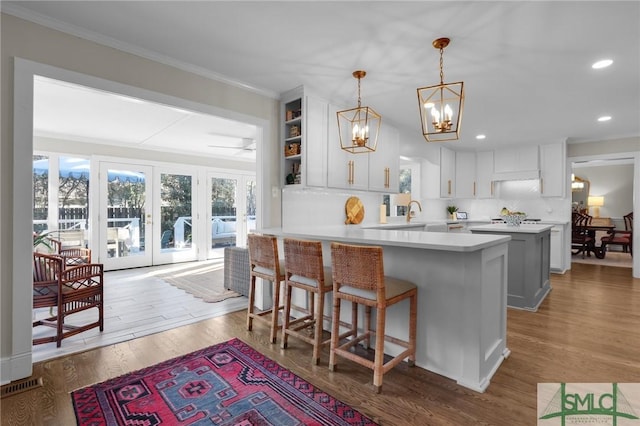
{"x": 223, "y": 195}
{"x": 125, "y": 214}
{"x": 232, "y": 205}
{"x": 176, "y": 230}
{"x": 250, "y": 206}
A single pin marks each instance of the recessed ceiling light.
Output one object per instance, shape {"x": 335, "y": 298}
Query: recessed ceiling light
{"x": 481, "y": 137}
{"x": 602, "y": 64}
{"x": 604, "y": 118}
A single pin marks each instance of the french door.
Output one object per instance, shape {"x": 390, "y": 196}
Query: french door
{"x": 125, "y": 215}
{"x": 153, "y": 215}
{"x": 232, "y": 211}
{"x": 177, "y": 225}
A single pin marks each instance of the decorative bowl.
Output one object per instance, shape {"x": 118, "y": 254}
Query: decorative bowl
{"x": 513, "y": 219}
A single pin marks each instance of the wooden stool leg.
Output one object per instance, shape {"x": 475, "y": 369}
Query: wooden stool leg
{"x": 275, "y": 312}
{"x": 354, "y": 319}
{"x": 367, "y": 326}
{"x": 378, "y": 363}
{"x": 413, "y": 319}
{"x": 252, "y": 299}
{"x": 335, "y": 333}
{"x": 286, "y": 315}
{"x": 318, "y": 327}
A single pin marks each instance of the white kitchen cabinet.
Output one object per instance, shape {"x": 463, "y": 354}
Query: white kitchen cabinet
{"x": 447, "y": 173}
{"x": 304, "y": 131}
{"x": 556, "y": 256}
{"x": 484, "y": 174}
{"x": 552, "y": 170}
{"x": 384, "y": 163}
{"x": 518, "y": 159}
{"x": 465, "y": 174}
{"x": 345, "y": 170}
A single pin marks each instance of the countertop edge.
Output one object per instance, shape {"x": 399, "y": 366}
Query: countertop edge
{"x": 463, "y": 243}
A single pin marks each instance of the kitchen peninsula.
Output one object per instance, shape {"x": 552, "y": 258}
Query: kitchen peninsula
{"x": 462, "y": 294}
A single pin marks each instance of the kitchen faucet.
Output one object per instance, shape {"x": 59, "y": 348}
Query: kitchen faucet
{"x": 409, "y": 209}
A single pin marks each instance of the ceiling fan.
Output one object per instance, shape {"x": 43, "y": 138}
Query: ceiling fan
{"x": 248, "y": 144}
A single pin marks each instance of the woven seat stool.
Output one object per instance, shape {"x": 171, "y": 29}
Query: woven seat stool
{"x": 358, "y": 277}
{"x": 264, "y": 263}
{"x": 304, "y": 269}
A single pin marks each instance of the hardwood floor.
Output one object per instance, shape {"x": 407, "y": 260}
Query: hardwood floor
{"x": 587, "y": 330}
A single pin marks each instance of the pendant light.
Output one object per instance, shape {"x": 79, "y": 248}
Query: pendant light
{"x": 441, "y": 105}
{"x": 359, "y": 127}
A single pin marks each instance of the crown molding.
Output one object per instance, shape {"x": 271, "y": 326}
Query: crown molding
{"x": 46, "y": 21}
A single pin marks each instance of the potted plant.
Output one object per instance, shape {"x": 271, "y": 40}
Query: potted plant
{"x": 452, "y": 212}
{"x": 42, "y": 240}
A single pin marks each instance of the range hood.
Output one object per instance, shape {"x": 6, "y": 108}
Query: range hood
{"x": 519, "y": 175}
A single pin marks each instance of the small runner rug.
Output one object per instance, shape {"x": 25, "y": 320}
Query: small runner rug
{"x": 226, "y": 384}
{"x": 204, "y": 280}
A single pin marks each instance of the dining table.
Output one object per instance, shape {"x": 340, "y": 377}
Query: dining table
{"x": 599, "y": 224}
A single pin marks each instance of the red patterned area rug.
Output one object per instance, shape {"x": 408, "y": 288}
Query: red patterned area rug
{"x": 225, "y": 384}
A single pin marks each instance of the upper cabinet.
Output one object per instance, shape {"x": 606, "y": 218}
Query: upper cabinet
{"x": 553, "y": 180}
{"x": 447, "y": 173}
{"x": 345, "y": 170}
{"x": 384, "y": 163}
{"x": 375, "y": 171}
{"x": 517, "y": 159}
{"x": 312, "y": 156}
{"x": 484, "y": 174}
{"x": 465, "y": 174}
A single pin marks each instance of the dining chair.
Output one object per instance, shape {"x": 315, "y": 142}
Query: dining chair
{"x": 358, "y": 277}
{"x": 305, "y": 270}
{"x": 264, "y": 263}
{"x": 620, "y": 237}
{"x": 581, "y": 239}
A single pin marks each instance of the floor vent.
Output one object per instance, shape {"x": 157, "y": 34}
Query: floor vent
{"x": 20, "y": 386}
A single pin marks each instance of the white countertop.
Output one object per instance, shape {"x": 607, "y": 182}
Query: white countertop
{"x": 522, "y": 229}
{"x": 456, "y": 242}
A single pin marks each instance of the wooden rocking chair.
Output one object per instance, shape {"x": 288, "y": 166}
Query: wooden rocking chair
{"x": 69, "y": 289}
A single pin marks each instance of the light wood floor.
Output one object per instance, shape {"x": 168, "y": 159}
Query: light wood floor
{"x": 587, "y": 330}
{"x": 137, "y": 303}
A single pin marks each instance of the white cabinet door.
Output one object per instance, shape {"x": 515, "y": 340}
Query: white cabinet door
{"x": 556, "y": 256}
{"x": 314, "y": 148}
{"x": 552, "y": 170}
{"x": 384, "y": 163}
{"x": 516, "y": 159}
{"x": 484, "y": 174}
{"x": 465, "y": 177}
{"x": 345, "y": 170}
{"x": 447, "y": 173}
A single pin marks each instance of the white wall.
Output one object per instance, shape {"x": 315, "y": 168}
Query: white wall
{"x": 61, "y": 53}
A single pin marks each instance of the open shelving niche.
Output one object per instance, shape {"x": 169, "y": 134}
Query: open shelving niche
{"x": 292, "y": 146}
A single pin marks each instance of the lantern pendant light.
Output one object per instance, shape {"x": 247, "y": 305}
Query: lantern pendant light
{"x": 441, "y": 105}
{"x": 359, "y": 127}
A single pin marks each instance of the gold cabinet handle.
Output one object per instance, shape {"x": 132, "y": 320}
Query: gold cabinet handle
{"x": 492, "y": 188}
{"x": 350, "y": 172}
{"x": 386, "y": 177}
{"x": 541, "y": 185}
{"x": 474, "y": 188}
{"x": 449, "y": 187}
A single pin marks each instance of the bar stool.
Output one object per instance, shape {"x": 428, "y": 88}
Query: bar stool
{"x": 264, "y": 263}
{"x": 358, "y": 277}
{"x": 304, "y": 269}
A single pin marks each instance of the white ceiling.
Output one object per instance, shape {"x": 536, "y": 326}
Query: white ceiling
{"x": 526, "y": 65}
